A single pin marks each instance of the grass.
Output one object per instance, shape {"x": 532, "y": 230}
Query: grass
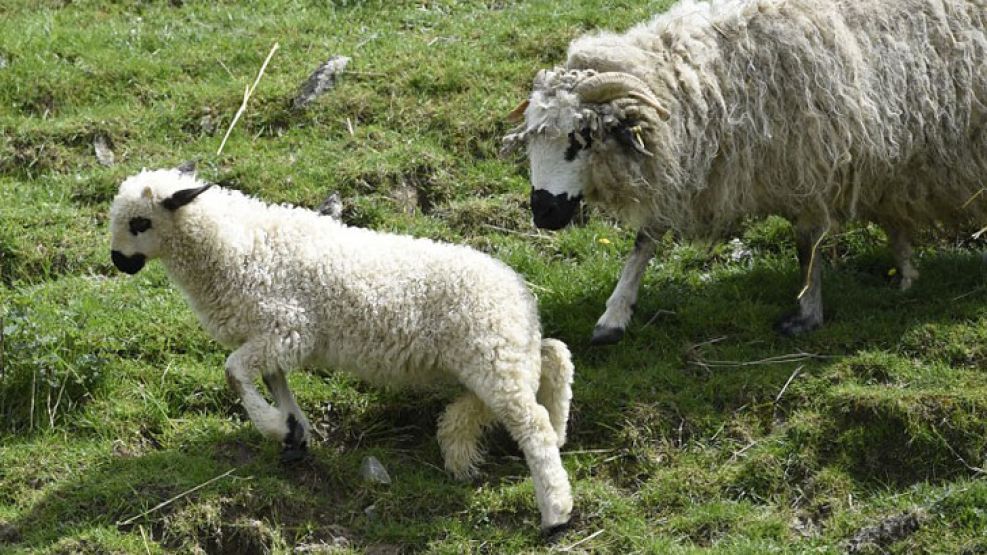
{"x": 684, "y": 437}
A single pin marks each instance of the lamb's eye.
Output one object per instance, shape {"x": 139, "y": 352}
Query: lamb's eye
{"x": 138, "y": 225}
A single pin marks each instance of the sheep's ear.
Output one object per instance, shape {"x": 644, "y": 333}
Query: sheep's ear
{"x": 147, "y": 192}
{"x": 517, "y": 114}
{"x": 183, "y": 197}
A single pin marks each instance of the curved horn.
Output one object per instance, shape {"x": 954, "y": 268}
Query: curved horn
{"x": 604, "y": 87}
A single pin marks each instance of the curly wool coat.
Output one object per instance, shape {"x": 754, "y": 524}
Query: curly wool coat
{"x": 286, "y": 288}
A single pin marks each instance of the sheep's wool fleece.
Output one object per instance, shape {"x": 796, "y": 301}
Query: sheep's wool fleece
{"x": 815, "y": 110}
{"x": 392, "y": 309}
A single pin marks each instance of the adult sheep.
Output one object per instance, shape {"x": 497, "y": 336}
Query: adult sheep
{"x": 820, "y": 112}
{"x": 285, "y": 287}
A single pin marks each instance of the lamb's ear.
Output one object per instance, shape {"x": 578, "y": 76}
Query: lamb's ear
{"x": 183, "y": 197}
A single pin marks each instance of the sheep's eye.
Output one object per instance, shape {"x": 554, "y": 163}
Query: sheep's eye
{"x": 138, "y": 225}
{"x": 575, "y": 145}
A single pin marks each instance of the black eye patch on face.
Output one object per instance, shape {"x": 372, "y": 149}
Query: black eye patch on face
{"x": 139, "y": 225}
{"x": 575, "y": 145}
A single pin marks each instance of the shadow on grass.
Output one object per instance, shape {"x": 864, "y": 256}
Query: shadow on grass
{"x": 260, "y": 504}
{"x": 701, "y": 356}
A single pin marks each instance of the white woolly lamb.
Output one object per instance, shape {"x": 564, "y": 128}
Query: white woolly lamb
{"x": 818, "y": 111}
{"x": 287, "y": 288}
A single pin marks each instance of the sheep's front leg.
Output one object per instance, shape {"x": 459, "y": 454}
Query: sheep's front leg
{"x": 296, "y": 439}
{"x": 901, "y": 247}
{"x": 810, "y": 312}
{"x": 620, "y": 306}
{"x": 242, "y": 368}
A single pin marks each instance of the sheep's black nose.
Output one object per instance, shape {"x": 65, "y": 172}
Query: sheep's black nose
{"x": 129, "y": 264}
{"x": 552, "y": 211}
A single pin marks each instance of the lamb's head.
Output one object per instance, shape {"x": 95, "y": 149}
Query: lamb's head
{"x": 573, "y": 120}
{"x": 143, "y": 214}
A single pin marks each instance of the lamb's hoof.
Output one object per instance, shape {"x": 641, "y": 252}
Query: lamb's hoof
{"x": 293, "y": 454}
{"x": 606, "y": 335}
{"x": 553, "y": 534}
{"x": 797, "y": 324}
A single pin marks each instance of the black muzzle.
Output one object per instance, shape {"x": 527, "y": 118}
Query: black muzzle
{"x": 128, "y": 264}
{"x": 553, "y": 211}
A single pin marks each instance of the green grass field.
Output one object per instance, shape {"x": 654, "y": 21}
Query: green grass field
{"x": 702, "y": 431}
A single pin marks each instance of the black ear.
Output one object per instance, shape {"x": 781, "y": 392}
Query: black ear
{"x": 183, "y": 197}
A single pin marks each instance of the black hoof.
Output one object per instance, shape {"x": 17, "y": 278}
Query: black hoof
{"x": 293, "y": 454}
{"x": 797, "y": 324}
{"x": 604, "y": 335}
{"x": 295, "y": 445}
{"x": 553, "y": 534}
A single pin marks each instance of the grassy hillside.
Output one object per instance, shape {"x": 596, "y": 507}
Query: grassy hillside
{"x": 702, "y": 431}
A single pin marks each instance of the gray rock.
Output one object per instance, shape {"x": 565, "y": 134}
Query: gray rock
{"x": 372, "y": 471}
{"x": 322, "y": 79}
{"x": 103, "y": 152}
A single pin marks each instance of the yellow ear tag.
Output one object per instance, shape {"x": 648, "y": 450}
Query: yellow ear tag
{"x": 146, "y": 193}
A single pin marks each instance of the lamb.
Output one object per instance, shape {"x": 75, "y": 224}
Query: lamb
{"x": 820, "y": 112}
{"x": 285, "y": 287}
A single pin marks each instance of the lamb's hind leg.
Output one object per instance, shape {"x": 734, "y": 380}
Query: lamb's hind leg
{"x": 810, "y": 312}
{"x": 620, "y": 306}
{"x": 514, "y": 404}
{"x": 460, "y": 429}
{"x": 296, "y": 440}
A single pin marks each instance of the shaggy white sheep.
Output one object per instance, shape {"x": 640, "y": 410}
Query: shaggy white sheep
{"x": 286, "y": 287}
{"x": 818, "y": 111}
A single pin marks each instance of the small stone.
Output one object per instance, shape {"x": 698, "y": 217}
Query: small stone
{"x": 372, "y": 471}
{"x": 332, "y": 206}
{"x": 321, "y": 80}
{"x": 207, "y": 124}
{"x": 739, "y": 251}
{"x": 103, "y": 152}
{"x": 371, "y": 511}
{"x": 3, "y": 62}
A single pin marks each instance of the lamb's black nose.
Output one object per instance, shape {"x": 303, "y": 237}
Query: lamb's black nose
{"x": 129, "y": 264}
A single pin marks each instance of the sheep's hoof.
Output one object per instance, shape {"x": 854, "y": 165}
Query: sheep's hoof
{"x": 295, "y": 445}
{"x": 293, "y": 454}
{"x": 606, "y": 335}
{"x": 796, "y": 324}
{"x": 553, "y": 534}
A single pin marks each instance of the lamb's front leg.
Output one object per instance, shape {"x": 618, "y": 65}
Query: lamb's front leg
{"x": 620, "y": 306}
{"x": 242, "y": 368}
{"x": 296, "y": 440}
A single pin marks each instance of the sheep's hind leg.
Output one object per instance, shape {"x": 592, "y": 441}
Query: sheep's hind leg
{"x": 295, "y": 441}
{"x": 810, "y": 312}
{"x": 460, "y": 428}
{"x": 901, "y": 248}
{"x": 242, "y": 367}
{"x": 620, "y": 306}
{"x": 529, "y": 424}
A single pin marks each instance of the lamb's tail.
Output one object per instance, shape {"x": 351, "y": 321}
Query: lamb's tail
{"x": 555, "y": 388}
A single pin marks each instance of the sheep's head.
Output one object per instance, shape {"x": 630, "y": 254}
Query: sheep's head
{"x": 572, "y": 117}
{"x": 143, "y": 213}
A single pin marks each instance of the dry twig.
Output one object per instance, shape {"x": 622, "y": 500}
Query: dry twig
{"x": 582, "y": 541}
{"x": 246, "y": 96}
{"x": 176, "y": 498}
